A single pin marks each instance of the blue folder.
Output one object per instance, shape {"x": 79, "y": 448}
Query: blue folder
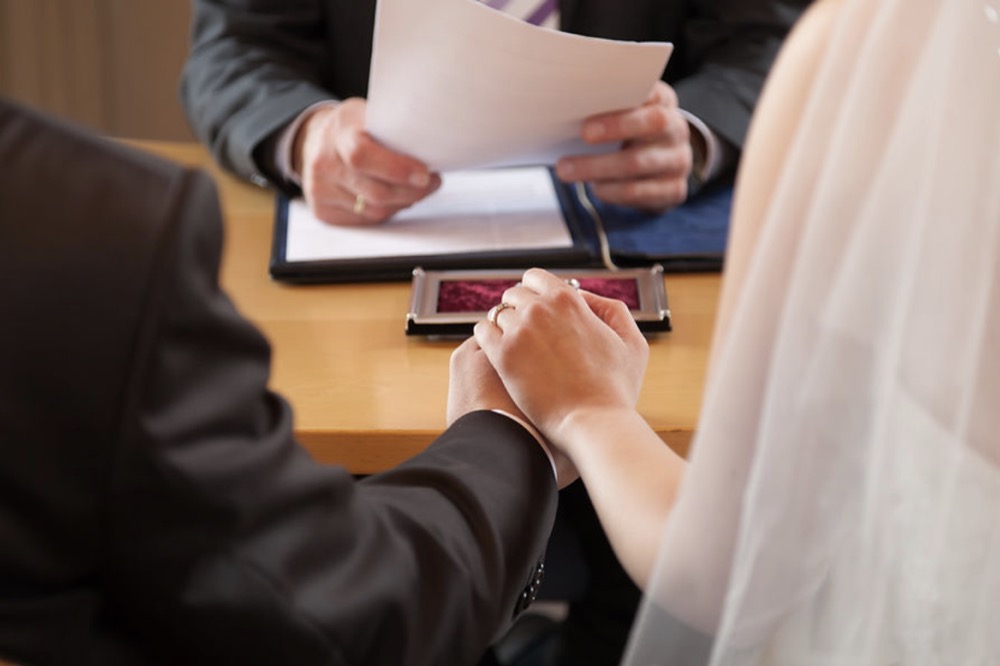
{"x": 691, "y": 237}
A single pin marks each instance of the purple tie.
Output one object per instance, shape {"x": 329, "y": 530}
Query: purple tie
{"x": 543, "y": 10}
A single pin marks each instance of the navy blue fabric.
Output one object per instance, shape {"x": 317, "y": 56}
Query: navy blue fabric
{"x": 690, "y": 237}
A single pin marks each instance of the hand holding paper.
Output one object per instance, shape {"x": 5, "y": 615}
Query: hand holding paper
{"x": 348, "y": 178}
{"x": 458, "y": 85}
{"x": 651, "y": 169}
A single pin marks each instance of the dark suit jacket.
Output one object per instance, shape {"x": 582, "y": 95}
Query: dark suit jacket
{"x": 255, "y": 64}
{"x": 154, "y": 505}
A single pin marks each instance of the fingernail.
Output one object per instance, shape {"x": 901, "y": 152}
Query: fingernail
{"x": 420, "y": 179}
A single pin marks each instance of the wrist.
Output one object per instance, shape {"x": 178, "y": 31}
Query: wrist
{"x": 297, "y": 134}
{"x": 537, "y": 435}
{"x": 575, "y": 431}
{"x": 712, "y": 156}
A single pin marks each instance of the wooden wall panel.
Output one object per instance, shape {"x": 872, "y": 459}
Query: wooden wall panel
{"x": 113, "y": 65}
{"x": 51, "y": 57}
{"x": 144, "y": 61}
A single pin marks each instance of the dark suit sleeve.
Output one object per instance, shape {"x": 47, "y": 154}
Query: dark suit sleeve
{"x": 228, "y": 544}
{"x": 254, "y": 65}
{"x": 726, "y": 52}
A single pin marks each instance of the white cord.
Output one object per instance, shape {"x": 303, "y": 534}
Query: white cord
{"x": 602, "y": 235}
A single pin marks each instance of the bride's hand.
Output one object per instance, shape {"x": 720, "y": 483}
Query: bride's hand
{"x": 562, "y": 352}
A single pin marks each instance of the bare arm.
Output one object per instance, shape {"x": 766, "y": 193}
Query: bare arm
{"x": 574, "y": 362}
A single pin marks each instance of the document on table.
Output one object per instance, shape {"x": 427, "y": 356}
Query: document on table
{"x": 460, "y": 85}
{"x": 473, "y": 211}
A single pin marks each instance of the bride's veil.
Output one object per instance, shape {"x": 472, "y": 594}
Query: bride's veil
{"x": 842, "y": 504}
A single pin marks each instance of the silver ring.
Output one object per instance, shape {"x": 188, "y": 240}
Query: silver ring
{"x": 491, "y": 316}
{"x": 359, "y": 204}
{"x": 573, "y": 282}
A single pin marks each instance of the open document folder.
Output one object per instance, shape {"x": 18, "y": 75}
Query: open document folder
{"x": 478, "y": 218}
{"x": 501, "y": 218}
{"x": 460, "y": 85}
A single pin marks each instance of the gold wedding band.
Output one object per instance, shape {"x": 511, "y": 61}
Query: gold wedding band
{"x": 491, "y": 316}
{"x": 359, "y": 204}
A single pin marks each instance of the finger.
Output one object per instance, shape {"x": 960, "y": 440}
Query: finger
{"x": 363, "y": 154}
{"x": 542, "y": 281}
{"x": 535, "y": 282}
{"x": 335, "y": 204}
{"x": 518, "y": 295}
{"x": 652, "y": 119}
{"x": 638, "y": 159}
{"x": 359, "y": 151}
{"x": 462, "y": 380}
{"x": 334, "y": 183}
{"x": 326, "y": 195}
{"x": 652, "y": 194}
{"x": 658, "y": 113}
{"x": 495, "y": 314}
{"x": 345, "y": 211}
{"x": 387, "y": 195}
{"x": 487, "y": 337}
{"x": 663, "y": 93}
{"x": 617, "y": 316}
{"x": 468, "y": 346}
{"x": 333, "y": 197}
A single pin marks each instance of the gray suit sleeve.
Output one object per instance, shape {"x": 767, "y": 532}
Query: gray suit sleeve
{"x": 230, "y": 545}
{"x": 253, "y": 66}
{"x": 727, "y": 52}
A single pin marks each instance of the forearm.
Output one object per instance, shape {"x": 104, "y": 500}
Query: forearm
{"x": 224, "y": 541}
{"x": 249, "y": 74}
{"x": 632, "y": 477}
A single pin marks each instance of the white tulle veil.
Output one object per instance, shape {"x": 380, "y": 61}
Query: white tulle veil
{"x": 842, "y": 504}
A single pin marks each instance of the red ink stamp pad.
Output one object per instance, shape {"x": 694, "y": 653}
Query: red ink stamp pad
{"x": 449, "y": 303}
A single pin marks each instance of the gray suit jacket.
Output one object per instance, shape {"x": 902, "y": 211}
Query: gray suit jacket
{"x": 255, "y": 64}
{"x": 154, "y": 505}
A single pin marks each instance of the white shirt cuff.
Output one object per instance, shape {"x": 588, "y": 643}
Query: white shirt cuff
{"x": 714, "y": 147}
{"x": 541, "y": 441}
{"x": 283, "y": 160}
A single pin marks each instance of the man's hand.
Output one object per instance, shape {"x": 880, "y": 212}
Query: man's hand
{"x": 350, "y": 178}
{"x": 651, "y": 169}
{"x": 475, "y": 385}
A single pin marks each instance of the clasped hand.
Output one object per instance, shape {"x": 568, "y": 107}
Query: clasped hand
{"x": 557, "y": 353}
{"x": 349, "y": 178}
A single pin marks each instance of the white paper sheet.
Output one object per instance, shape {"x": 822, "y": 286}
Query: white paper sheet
{"x": 460, "y": 85}
{"x": 473, "y": 211}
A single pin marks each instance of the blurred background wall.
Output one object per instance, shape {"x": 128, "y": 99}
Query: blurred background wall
{"x": 112, "y": 65}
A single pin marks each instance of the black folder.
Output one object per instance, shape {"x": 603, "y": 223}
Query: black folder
{"x": 691, "y": 237}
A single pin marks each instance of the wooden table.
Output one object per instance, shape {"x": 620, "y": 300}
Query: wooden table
{"x": 365, "y": 395}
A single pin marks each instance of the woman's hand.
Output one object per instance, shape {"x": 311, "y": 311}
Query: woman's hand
{"x": 562, "y": 352}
